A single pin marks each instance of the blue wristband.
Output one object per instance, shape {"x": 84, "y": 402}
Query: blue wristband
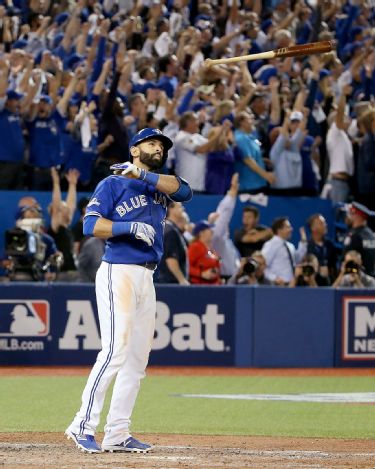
{"x": 120, "y": 228}
{"x": 89, "y": 223}
{"x": 147, "y": 176}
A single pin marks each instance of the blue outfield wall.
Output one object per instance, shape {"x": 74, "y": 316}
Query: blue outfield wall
{"x": 57, "y": 324}
{"x": 293, "y": 328}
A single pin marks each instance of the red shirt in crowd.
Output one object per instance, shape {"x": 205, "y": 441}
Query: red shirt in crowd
{"x": 202, "y": 258}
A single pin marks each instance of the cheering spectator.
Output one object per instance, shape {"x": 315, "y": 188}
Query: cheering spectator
{"x": 61, "y": 217}
{"x": 340, "y": 153}
{"x": 13, "y": 105}
{"x": 220, "y": 160}
{"x": 251, "y": 236}
{"x": 111, "y": 123}
{"x": 81, "y": 149}
{"x": 203, "y": 260}
{"x": 366, "y": 161}
{"x": 191, "y": 150}
{"x": 45, "y": 125}
{"x": 285, "y": 154}
{"x": 253, "y": 176}
{"x": 221, "y": 240}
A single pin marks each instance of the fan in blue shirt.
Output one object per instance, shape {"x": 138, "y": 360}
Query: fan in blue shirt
{"x": 45, "y": 140}
{"x": 250, "y": 166}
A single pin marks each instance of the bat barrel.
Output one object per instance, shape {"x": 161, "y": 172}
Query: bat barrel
{"x": 306, "y": 49}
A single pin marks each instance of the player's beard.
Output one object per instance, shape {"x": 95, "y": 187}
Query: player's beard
{"x": 150, "y": 160}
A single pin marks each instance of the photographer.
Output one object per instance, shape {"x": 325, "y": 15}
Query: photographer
{"x": 307, "y": 274}
{"x": 31, "y": 254}
{"x": 251, "y": 271}
{"x": 352, "y": 273}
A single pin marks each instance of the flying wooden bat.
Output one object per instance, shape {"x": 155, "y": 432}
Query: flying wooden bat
{"x": 292, "y": 51}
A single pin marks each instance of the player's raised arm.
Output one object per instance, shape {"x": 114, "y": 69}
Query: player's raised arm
{"x": 148, "y": 151}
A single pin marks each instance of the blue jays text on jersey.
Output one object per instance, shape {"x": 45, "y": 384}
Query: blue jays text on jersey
{"x": 119, "y": 199}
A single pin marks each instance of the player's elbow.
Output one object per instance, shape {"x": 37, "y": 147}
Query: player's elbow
{"x": 183, "y": 193}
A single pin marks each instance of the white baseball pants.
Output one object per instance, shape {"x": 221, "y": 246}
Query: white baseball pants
{"x": 127, "y": 307}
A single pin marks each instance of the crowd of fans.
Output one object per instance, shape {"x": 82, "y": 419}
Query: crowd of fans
{"x": 201, "y": 252}
{"x": 204, "y": 253}
{"x": 78, "y": 79}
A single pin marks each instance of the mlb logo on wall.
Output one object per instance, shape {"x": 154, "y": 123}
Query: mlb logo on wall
{"x": 24, "y": 318}
{"x": 358, "y": 328}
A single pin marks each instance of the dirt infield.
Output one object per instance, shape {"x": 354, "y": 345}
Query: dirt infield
{"x": 52, "y": 450}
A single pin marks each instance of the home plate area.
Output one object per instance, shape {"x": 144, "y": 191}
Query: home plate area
{"x": 51, "y": 450}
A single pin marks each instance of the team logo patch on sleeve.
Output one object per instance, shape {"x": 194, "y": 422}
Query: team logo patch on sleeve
{"x": 26, "y": 318}
{"x": 93, "y": 201}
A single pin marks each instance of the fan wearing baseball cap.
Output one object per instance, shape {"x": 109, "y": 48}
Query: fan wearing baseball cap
{"x": 204, "y": 262}
{"x": 360, "y": 237}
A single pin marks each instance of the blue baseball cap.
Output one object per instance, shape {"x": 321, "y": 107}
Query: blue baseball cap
{"x": 147, "y": 134}
{"x": 324, "y": 73}
{"x": 57, "y": 39}
{"x": 13, "y": 94}
{"x": 355, "y": 31}
{"x": 19, "y": 44}
{"x": 74, "y": 102}
{"x": 265, "y": 25}
{"x": 201, "y": 226}
{"x": 265, "y": 73}
{"x": 73, "y": 61}
{"x": 149, "y": 85}
{"x": 199, "y": 105}
{"x": 45, "y": 98}
{"x": 61, "y": 18}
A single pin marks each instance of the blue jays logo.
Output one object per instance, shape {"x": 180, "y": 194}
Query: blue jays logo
{"x": 93, "y": 201}
{"x": 24, "y": 318}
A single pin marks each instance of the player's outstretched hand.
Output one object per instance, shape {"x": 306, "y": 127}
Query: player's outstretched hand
{"x": 127, "y": 169}
{"x": 143, "y": 231}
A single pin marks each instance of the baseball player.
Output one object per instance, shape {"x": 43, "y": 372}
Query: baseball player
{"x": 127, "y": 209}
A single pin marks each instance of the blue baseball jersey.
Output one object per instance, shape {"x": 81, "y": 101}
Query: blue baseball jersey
{"x": 78, "y": 157}
{"x": 45, "y": 140}
{"x": 119, "y": 199}
{"x": 11, "y": 137}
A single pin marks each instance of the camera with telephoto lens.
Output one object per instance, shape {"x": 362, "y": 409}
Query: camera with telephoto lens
{"x": 250, "y": 266}
{"x": 25, "y": 252}
{"x": 352, "y": 267}
{"x": 308, "y": 270}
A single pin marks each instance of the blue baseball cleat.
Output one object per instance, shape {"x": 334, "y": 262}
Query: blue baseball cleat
{"x": 84, "y": 442}
{"x": 130, "y": 445}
